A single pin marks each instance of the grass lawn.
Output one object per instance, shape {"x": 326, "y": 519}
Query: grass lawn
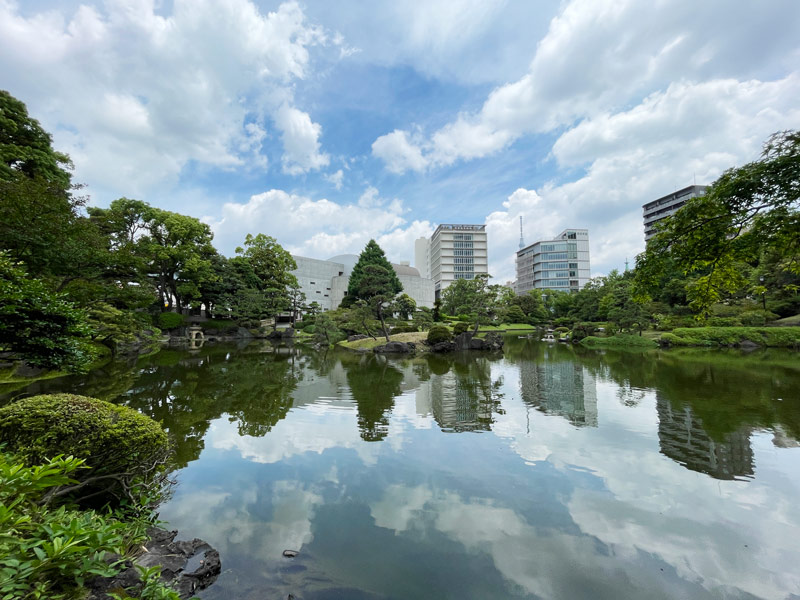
{"x": 369, "y": 343}
{"x": 791, "y": 321}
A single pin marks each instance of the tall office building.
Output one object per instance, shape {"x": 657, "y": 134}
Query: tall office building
{"x": 666, "y": 206}
{"x": 558, "y": 264}
{"x": 454, "y": 252}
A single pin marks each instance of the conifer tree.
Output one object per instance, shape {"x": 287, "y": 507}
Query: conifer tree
{"x": 374, "y": 281}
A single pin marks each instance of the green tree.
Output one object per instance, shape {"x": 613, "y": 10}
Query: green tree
{"x": 473, "y": 297}
{"x": 404, "y": 306}
{"x": 273, "y": 266}
{"x": 371, "y": 255}
{"x": 39, "y": 326}
{"x": 748, "y": 210}
{"x": 375, "y": 282}
{"x": 26, "y": 148}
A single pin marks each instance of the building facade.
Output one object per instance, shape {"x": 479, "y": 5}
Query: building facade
{"x": 558, "y": 264}
{"x": 666, "y": 206}
{"x": 453, "y": 252}
{"x": 326, "y": 281}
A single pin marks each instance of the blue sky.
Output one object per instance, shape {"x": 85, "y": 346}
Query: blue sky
{"x": 325, "y": 124}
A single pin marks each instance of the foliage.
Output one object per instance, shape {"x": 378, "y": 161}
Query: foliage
{"x": 439, "y": 333}
{"x": 618, "y": 341}
{"x": 404, "y": 306}
{"x": 374, "y": 281}
{"x": 372, "y": 254}
{"x": 474, "y": 297}
{"x": 782, "y": 337}
{"x": 170, "y": 320}
{"x": 422, "y": 318}
{"x": 39, "y": 326}
{"x": 122, "y": 446}
{"x": 272, "y": 266}
{"x": 50, "y": 552}
{"x": 325, "y": 330}
{"x": 749, "y": 210}
{"x": 460, "y": 328}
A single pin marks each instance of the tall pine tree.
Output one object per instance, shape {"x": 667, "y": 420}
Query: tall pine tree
{"x": 374, "y": 282}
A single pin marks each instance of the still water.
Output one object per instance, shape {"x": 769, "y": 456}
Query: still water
{"x": 546, "y": 472}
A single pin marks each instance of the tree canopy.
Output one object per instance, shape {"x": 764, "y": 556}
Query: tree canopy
{"x": 748, "y": 211}
{"x": 374, "y": 282}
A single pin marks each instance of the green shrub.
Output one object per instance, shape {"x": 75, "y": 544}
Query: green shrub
{"x": 464, "y": 317}
{"x": 169, "y": 320}
{"x": 50, "y": 552}
{"x": 404, "y": 328}
{"x": 785, "y": 337}
{"x": 118, "y": 443}
{"x": 309, "y": 329}
{"x": 439, "y": 333}
{"x": 460, "y": 328}
{"x": 619, "y": 341}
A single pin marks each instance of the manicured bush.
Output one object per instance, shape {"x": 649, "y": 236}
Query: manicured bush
{"x": 118, "y": 443}
{"x": 464, "y": 317}
{"x": 785, "y": 337}
{"x": 619, "y": 341}
{"x": 460, "y": 328}
{"x": 169, "y": 320}
{"x": 309, "y": 329}
{"x": 439, "y": 333}
{"x": 404, "y": 328}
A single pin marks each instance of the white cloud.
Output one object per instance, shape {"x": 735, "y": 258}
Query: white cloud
{"x": 336, "y": 179}
{"x": 398, "y": 152}
{"x": 300, "y": 137}
{"x": 320, "y": 228}
{"x": 134, "y": 96}
{"x": 599, "y": 57}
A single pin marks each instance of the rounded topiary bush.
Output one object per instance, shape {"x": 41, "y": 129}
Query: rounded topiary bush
{"x": 439, "y": 333}
{"x": 113, "y": 440}
{"x": 460, "y": 328}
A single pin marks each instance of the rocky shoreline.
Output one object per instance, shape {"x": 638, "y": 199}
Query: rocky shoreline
{"x": 186, "y": 566}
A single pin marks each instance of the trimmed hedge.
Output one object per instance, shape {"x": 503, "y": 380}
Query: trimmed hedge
{"x": 439, "y": 333}
{"x": 779, "y": 337}
{"x": 113, "y": 440}
{"x": 618, "y": 341}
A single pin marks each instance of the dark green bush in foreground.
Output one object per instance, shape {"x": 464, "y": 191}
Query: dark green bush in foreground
{"x": 50, "y": 552}
{"x": 439, "y": 333}
{"x": 121, "y": 446}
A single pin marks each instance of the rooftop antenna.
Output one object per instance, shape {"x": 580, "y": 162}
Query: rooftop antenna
{"x": 521, "y": 240}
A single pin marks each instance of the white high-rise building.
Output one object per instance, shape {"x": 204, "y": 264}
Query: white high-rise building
{"x": 558, "y": 264}
{"x": 422, "y": 257}
{"x": 453, "y": 252}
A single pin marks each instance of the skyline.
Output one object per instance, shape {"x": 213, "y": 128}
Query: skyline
{"x": 324, "y": 126}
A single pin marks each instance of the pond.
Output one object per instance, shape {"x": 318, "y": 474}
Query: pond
{"x": 546, "y": 472}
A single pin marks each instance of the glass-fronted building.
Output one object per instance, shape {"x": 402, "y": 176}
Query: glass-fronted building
{"x": 558, "y": 264}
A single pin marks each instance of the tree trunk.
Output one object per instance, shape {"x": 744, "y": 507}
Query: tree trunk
{"x": 383, "y": 324}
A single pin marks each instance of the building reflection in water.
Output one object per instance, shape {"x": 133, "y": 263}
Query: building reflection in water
{"x": 683, "y": 438}
{"x": 563, "y": 388}
{"x": 461, "y": 394}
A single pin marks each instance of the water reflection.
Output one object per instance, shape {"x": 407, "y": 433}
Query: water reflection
{"x": 596, "y": 475}
{"x": 683, "y": 438}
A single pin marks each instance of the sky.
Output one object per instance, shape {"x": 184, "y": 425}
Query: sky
{"x": 325, "y": 124}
